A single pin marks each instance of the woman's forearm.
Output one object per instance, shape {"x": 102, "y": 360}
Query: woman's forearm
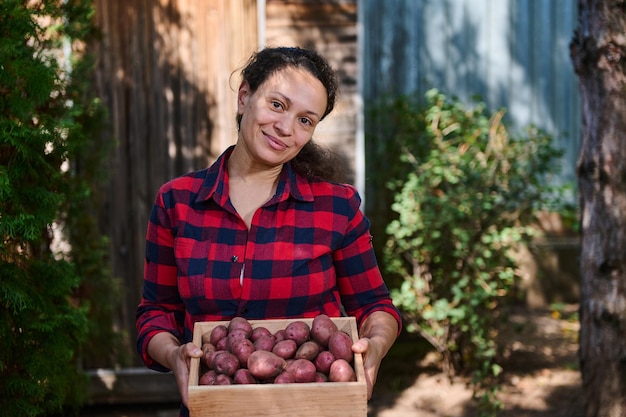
{"x": 162, "y": 348}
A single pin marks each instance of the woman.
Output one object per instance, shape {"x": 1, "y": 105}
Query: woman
{"x": 260, "y": 234}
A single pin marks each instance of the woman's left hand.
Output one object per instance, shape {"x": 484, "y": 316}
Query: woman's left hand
{"x": 372, "y": 357}
{"x": 378, "y": 332}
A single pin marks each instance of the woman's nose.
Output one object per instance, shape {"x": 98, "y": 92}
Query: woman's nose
{"x": 284, "y": 125}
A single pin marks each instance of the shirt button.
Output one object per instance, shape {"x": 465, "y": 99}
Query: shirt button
{"x": 235, "y": 258}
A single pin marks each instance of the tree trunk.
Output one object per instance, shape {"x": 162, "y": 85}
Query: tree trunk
{"x": 598, "y": 52}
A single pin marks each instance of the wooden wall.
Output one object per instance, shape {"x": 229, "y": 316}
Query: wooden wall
{"x": 164, "y": 69}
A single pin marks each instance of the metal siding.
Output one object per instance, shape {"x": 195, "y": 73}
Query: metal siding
{"x": 514, "y": 54}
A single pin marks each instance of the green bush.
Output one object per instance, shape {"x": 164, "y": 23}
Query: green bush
{"x": 44, "y": 113}
{"x": 465, "y": 192}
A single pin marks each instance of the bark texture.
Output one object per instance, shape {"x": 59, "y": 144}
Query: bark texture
{"x": 598, "y": 52}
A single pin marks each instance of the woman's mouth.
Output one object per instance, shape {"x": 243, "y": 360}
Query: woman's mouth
{"x": 274, "y": 143}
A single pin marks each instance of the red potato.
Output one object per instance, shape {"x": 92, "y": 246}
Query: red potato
{"x": 219, "y": 332}
{"x": 265, "y": 342}
{"x": 285, "y": 378}
{"x": 242, "y": 349}
{"x": 225, "y": 363}
{"x": 321, "y": 377}
{"x": 322, "y": 328}
{"x": 222, "y": 344}
{"x": 240, "y": 323}
{"x": 209, "y": 359}
{"x": 286, "y": 349}
{"x": 303, "y": 370}
{"x": 323, "y": 361}
{"x": 265, "y": 365}
{"x": 341, "y": 371}
{"x": 243, "y": 376}
{"x": 235, "y": 336}
{"x": 340, "y": 345}
{"x": 280, "y": 335}
{"x": 208, "y": 378}
{"x": 308, "y": 350}
{"x": 207, "y": 350}
{"x": 223, "y": 379}
{"x": 208, "y": 347}
{"x": 298, "y": 331}
{"x": 258, "y": 332}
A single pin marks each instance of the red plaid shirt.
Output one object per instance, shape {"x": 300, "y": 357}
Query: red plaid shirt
{"x": 308, "y": 251}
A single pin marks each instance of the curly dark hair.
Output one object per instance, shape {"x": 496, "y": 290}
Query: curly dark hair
{"x": 312, "y": 160}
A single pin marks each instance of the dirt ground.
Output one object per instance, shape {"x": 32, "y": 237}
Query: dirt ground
{"x": 540, "y": 377}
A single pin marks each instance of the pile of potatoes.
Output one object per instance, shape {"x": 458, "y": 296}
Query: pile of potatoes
{"x": 240, "y": 354}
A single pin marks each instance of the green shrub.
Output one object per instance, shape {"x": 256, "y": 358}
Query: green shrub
{"x": 44, "y": 107}
{"x": 464, "y": 196}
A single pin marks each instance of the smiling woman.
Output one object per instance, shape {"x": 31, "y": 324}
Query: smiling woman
{"x": 259, "y": 235}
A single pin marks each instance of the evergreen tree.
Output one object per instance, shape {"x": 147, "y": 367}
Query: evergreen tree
{"x": 42, "y": 129}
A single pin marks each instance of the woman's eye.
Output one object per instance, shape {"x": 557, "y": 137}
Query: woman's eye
{"x": 306, "y": 121}
{"x": 277, "y": 105}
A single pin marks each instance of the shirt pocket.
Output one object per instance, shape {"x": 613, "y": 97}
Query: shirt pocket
{"x": 192, "y": 259}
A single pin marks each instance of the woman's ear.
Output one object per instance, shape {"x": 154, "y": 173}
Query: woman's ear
{"x": 242, "y": 96}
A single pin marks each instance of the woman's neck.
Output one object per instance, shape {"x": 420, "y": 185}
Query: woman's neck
{"x": 242, "y": 168}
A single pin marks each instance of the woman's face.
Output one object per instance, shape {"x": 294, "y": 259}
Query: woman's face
{"x": 279, "y": 118}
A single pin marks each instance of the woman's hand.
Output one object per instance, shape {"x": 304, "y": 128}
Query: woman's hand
{"x": 378, "y": 332}
{"x": 165, "y": 349}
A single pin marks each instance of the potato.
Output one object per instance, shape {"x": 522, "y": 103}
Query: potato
{"x": 280, "y": 335}
{"x": 208, "y": 347}
{"x": 321, "y": 377}
{"x": 207, "y": 350}
{"x": 242, "y": 349}
{"x": 340, "y": 345}
{"x": 241, "y": 324}
{"x": 225, "y": 363}
{"x": 284, "y": 378}
{"x": 265, "y": 342}
{"x": 298, "y": 331}
{"x": 257, "y": 332}
{"x": 303, "y": 370}
{"x": 243, "y": 376}
{"x": 323, "y": 361}
{"x": 341, "y": 371}
{"x": 222, "y": 379}
{"x": 322, "y": 328}
{"x": 209, "y": 359}
{"x": 220, "y": 331}
{"x": 264, "y": 365}
{"x": 286, "y": 349}
{"x": 234, "y": 336}
{"x": 222, "y": 344}
{"x": 208, "y": 378}
{"x": 308, "y": 350}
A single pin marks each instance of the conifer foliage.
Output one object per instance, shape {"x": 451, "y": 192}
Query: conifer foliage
{"x": 42, "y": 323}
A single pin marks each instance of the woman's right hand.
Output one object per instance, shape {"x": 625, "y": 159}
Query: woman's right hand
{"x": 180, "y": 364}
{"x": 166, "y": 350}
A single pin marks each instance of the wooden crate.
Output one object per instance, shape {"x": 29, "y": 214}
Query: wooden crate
{"x": 325, "y": 399}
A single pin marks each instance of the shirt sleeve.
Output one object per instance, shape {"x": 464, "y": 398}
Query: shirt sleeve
{"x": 361, "y": 285}
{"x": 161, "y": 308}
